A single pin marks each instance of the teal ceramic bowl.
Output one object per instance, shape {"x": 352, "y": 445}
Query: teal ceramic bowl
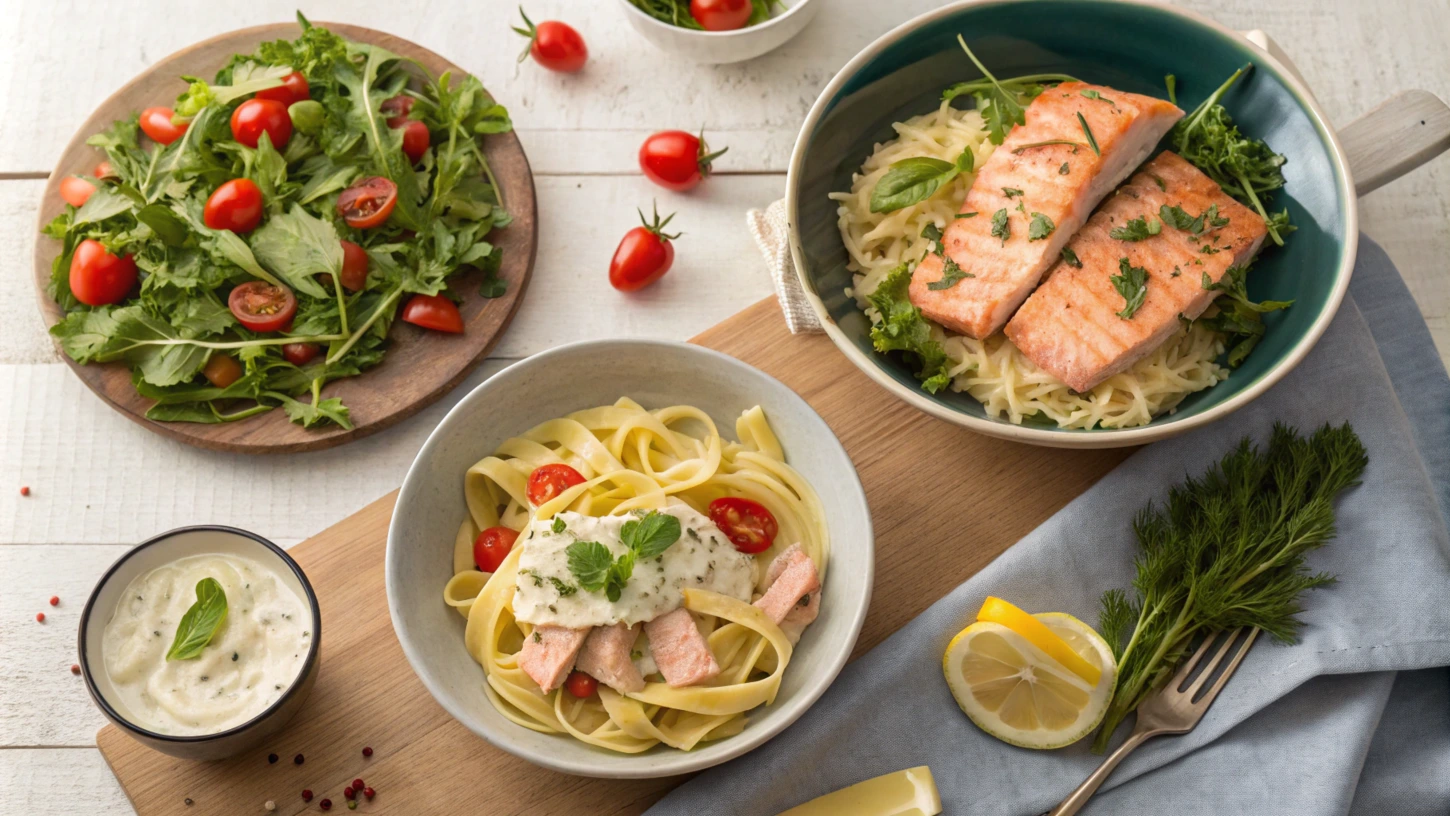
{"x": 1126, "y": 45}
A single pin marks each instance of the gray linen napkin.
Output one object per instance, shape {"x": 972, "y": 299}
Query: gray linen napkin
{"x": 1339, "y": 723}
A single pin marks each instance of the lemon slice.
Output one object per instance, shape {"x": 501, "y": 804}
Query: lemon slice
{"x": 1020, "y": 693}
{"x": 911, "y": 792}
{"x": 997, "y": 610}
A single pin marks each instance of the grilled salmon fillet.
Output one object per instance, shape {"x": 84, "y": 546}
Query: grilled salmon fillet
{"x": 1070, "y": 326}
{"x": 1025, "y": 178}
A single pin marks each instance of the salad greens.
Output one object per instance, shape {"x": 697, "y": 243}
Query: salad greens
{"x": 1002, "y": 102}
{"x": 901, "y": 327}
{"x": 1227, "y": 550}
{"x": 677, "y": 12}
{"x": 152, "y": 209}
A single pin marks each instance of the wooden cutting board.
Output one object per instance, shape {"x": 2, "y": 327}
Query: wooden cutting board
{"x": 918, "y": 473}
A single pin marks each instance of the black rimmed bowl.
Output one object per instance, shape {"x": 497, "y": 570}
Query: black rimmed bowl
{"x": 165, "y": 549}
{"x": 1129, "y": 45}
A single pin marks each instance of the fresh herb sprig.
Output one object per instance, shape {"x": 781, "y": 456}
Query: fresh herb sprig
{"x": 1002, "y": 102}
{"x": 902, "y": 327}
{"x": 1245, "y": 168}
{"x": 1226, "y": 551}
{"x": 595, "y": 567}
{"x": 916, "y": 179}
{"x": 153, "y": 210}
{"x": 1238, "y": 316}
{"x": 201, "y": 622}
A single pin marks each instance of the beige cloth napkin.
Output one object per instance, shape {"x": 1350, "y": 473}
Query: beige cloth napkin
{"x": 773, "y": 237}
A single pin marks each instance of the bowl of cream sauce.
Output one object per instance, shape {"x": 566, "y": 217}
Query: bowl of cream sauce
{"x": 201, "y": 642}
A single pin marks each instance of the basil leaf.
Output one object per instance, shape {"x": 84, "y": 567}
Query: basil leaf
{"x": 201, "y": 621}
{"x": 909, "y": 181}
{"x": 652, "y": 535}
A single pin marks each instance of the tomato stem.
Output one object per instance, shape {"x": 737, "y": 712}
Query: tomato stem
{"x": 532, "y": 33}
{"x": 657, "y": 226}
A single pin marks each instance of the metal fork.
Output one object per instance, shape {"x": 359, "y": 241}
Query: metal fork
{"x": 1174, "y": 709}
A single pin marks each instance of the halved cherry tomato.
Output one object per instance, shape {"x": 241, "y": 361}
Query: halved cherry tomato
{"x": 433, "y": 312}
{"x": 255, "y": 116}
{"x": 156, "y": 123}
{"x": 262, "y": 307}
{"x": 97, "y": 277}
{"x": 677, "y": 160}
{"x": 75, "y": 190}
{"x": 368, "y": 202}
{"x": 300, "y": 354}
{"x": 235, "y": 206}
{"x": 643, "y": 256}
{"x": 492, "y": 546}
{"x": 720, "y": 15}
{"x": 748, "y": 525}
{"x": 554, "y": 45}
{"x": 397, "y": 109}
{"x": 548, "y": 481}
{"x": 581, "y": 685}
{"x": 415, "y": 140}
{"x": 354, "y": 266}
{"x": 293, "y": 89}
{"x": 103, "y": 171}
{"x": 221, "y": 370}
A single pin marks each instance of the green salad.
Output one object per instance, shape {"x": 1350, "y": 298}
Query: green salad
{"x": 258, "y": 241}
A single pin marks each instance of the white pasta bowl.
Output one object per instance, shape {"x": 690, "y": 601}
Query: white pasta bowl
{"x": 431, "y": 506}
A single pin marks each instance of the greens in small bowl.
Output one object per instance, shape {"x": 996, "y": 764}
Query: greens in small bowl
{"x": 719, "y": 31}
{"x": 250, "y": 245}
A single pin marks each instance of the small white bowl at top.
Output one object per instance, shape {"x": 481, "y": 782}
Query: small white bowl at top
{"x": 723, "y": 47}
{"x": 553, "y": 384}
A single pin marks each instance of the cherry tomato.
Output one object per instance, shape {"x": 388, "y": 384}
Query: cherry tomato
{"x": 368, "y": 202}
{"x": 643, "y": 256}
{"x": 492, "y": 546}
{"x": 581, "y": 685}
{"x": 548, "y": 481}
{"x": 103, "y": 171}
{"x": 415, "y": 140}
{"x": 397, "y": 108}
{"x": 433, "y": 312}
{"x": 75, "y": 190}
{"x": 235, "y": 206}
{"x": 748, "y": 525}
{"x": 156, "y": 123}
{"x": 677, "y": 160}
{"x": 293, "y": 89}
{"x": 720, "y": 15}
{"x": 254, "y": 117}
{"x": 354, "y": 267}
{"x": 97, "y": 277}
{"x": 262, "y": 307}
{"x": 554, "y": 45}
{"x": 300, "y": 354}
{"x": 221, "y": 370}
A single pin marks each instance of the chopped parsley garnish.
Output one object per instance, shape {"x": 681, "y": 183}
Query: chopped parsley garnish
{"x": 1158, "y": 180}
{"x": 1179, "y": 218}
{"x": 1132, "y": 283}
{"x": 1238, "y": 316}
{"x": 901, "y": 327}
{"x": 1000, "y": 227}
{"x": 1088, "y": 133}
{"x": 558, "y": 525}
{"x": 564, "y": 589}
{"x": 965, "y": 215}
{"x": 1064, "y": 169}
{"x": 1040, "y": 228}
{"x": 1026, "y": 147}
{"x": 1070, "y": 258}
{"x": 1138, "y": 229}
{"x": 1011, "y": 192}
{"x": 951, "y": 275}
{"x": 1091, "y": 94}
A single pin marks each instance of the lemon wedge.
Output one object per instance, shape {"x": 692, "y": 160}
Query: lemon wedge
{"x": 911, "y": 792}
{"x": 1022, "y": 693}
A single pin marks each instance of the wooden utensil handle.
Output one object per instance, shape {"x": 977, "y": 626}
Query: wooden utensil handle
{"x": 1404, "y": 132}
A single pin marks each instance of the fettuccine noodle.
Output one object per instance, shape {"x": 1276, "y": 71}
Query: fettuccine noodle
{"x": 636, "y": 459}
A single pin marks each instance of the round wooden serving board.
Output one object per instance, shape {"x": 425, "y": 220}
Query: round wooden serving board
{"x": 419, "y": 367}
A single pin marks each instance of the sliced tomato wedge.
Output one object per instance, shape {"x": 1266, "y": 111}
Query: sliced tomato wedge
{"x": 548, "y": 481}
{"x": 433, "y": 312}
{"x": 748, "y": 525}
{"x": 368, "y": 202}
{"x": 262, "y": 307}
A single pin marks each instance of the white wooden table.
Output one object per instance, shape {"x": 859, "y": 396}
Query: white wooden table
{"x": 100, "y": 483}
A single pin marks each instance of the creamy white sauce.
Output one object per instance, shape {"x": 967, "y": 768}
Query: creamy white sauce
{"x": 703, "y": 558}
{"x": 251, "y": 660}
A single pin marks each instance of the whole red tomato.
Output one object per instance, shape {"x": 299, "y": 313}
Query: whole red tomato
{"x": 677, "y": 160}
{"x": 97, "y": 277}
{"x": 156, "y": 123}
{"x": 554, "y": 45}
{"x": 720, "y": 15}
{"x": 643, "y": 256}
{"x": 235, "y": 206}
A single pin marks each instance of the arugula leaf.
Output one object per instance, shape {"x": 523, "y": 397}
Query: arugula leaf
{"x": 1132, "y": 283}
{"x": 1001, "y": 102}
{"x": 159, "y": 352}
{"x": 916, "y": 179}
{"x": 1138, "y": 229}
{"x": 201, "y": 622}
{"x": 1040, "y": 228}
{"x": 902, "y": 327}
{"x": 297, "y": 247}
{"x": 308, "y": 414}
{"x": 1000, "y": 227}
{"x": 651, "y": 535}
{"x": 106, "y": 202}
